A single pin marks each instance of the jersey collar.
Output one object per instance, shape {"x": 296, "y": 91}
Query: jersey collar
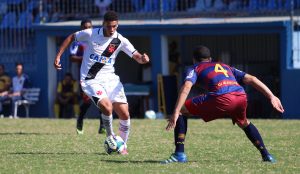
{"x": 100, "y": 32}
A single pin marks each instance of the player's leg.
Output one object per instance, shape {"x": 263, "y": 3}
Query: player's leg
{"x": 254, "y": 136}
{"x": 83, "y": 109}
{"x": 124, "y": 125}
{"x": 239, "y": 116}
{"x": 98, "y": 95}
{"x": 106, "y": 107}
{"x": 101, "y": 129}
{"x": 179, "y": 138}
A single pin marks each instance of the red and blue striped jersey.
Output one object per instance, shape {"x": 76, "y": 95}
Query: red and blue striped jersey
{"x": 216, "y": 78}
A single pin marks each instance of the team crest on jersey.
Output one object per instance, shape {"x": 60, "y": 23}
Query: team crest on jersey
{"x": 99, "y": 92}
{"x": 111, "y": 48}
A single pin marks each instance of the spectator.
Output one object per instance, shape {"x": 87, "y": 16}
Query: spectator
{"x": 102, "y": 5}
{"x": 25, "y": 18}
{"x": 67, "y": 95}
{"x": 202, "y": 5}
{"x": 137, "y": 5}
{"x": 151, "y": 6}
{"x": 169, "y": 5}
{"x": 5, "y": 83}
{"x": 19, "y": 83}
{"x": 219, "y": 5}
{"x": 10, "y": 18}
{"x": 174, "y": 58}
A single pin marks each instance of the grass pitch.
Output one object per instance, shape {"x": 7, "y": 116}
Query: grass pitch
{"x": 52, "y": 146}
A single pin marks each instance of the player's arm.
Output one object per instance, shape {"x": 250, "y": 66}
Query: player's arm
{"x": 261, "y": 87}
{"x": 184, "y": 92}
{"x": 140, "y": 58}
{"x": 62, "y": 49}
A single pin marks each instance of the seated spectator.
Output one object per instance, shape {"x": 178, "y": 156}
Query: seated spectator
{"x": 10, "y": 18}
{"x": 67, "y": 95}
{"x": 25, "y": 18}
{"x": 169, "y": 5}
{"x": 202, "y": 5}
{"x": 151, "y": 6}
{"x": 102, "y": 5}
{"x": 137, "y": 5}
{"x": 219, "y": 5}
{"x": 235, "y": 4}
{"x": 19, "y": 83}
{"x": 5, "y": 83}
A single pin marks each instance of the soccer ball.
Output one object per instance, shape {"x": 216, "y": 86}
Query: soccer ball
{"x": 114, "y": 145}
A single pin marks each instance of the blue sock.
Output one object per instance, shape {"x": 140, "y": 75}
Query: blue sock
{"x": 254, "y": 136}
{"x": 180, "y": 132}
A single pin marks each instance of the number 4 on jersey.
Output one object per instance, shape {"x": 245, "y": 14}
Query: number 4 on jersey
{"x": 219, "y": 68}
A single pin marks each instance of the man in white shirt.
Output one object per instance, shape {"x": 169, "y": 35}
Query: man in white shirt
{"x": 98, "y": 79}
{"x": 19, "y": 83}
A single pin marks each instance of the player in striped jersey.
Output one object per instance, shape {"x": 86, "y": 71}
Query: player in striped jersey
{"x": 225, "y": 98}
{"x": 98, "y": 79}
{"x": 76, "y": 55}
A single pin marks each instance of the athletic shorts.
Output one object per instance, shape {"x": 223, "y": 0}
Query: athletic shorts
{"x": 209, "y": 107}
{"x": 109, "y": 87}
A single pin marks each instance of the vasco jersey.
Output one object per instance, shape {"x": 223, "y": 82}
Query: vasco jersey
{"x": 101, "y": 52}
{"x": 216, "y": 78}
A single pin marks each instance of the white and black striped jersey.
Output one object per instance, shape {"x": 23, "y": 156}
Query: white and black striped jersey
{"x": 101, "y": 52}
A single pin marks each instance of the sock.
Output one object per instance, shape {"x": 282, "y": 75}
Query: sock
{"x": 254, "y": 136}
{"x": 180, "y": 132}
{"x": 124, "y": 129}
{"x": 107, "y": 123}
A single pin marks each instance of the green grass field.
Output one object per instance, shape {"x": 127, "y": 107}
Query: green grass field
{"x": 52, "y": 146}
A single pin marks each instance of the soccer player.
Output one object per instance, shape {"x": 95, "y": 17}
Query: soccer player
{"x": 98, "y": 78}
{"x": 76, "y": 55}
{"x": 224, "y": 98}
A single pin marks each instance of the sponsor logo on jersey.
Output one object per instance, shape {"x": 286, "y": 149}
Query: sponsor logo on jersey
{"x": 226, "y": 82}
{"x": 101, "y": 59}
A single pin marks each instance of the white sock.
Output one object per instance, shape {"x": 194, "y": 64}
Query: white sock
{"x": 107, "y": 123}
{"x": 124, "y": 129}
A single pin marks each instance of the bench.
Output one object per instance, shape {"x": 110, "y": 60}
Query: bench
{"x": 30, "y": 97}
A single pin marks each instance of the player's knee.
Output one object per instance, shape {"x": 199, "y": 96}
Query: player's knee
{"x": 244, "y": 124}
{"x": 106, "y": 107}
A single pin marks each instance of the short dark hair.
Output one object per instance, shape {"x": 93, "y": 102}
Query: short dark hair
{"x": 201, "y": 52}
{"x": 110, "y": 16}
{"x": 84, "y": 21}
{"x": 19, "y": 63}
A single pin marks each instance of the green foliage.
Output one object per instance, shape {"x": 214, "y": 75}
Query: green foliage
{"x": 52, "y": 146}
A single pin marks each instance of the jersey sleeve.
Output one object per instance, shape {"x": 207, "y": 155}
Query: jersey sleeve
{"x": 127, "y": 47}
{"x": 191, "y": 75}
{"x": 238, "y": 74}
{"x": 83, "y": 35}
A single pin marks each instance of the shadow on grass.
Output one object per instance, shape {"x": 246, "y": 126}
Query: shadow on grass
{"x": 132, "y": 161}
{"x": 29, "y": 133}
{"x": 54, "y": 153}
{"x": 140, "y": 162}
